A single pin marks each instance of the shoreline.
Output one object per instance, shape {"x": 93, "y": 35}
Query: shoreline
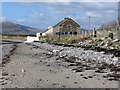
{"x": 40, "y": 65}
{"x": 115, "y": 52}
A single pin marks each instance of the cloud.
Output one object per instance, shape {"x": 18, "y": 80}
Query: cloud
{"x": 21, "y": 20}
{"x": 93, "y": 14}
{"x": 80, "y": 11}
{"x": 26, "y": 3}
{"x": 3, "y": 18}
{"x": 44, "y": 14}
{"x": 36, "y": 15}
{"x": 67, "y": 6}
{"x": 60, "y": 0}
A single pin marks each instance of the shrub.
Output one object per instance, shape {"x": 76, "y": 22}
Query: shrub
{"x": 110, "y": 35}
{"x": 72, "y": 41}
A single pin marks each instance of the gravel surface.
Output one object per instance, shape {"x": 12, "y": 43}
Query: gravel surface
{"x": 6, "y": 50}
{"x": 40, "y": 65}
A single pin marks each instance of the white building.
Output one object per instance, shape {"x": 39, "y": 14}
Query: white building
{"x": 49, "y": 31}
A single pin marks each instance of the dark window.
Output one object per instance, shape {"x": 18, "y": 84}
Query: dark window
{"x": 69, "y": 26}
{"x": 66, "y": 33}
{"x": 70, "y": 33}
{"x": 62, "y": 33}
{"x": 75, "y": 33}
{"x": 58, "y": 33}
{"x": 40, "y": 33}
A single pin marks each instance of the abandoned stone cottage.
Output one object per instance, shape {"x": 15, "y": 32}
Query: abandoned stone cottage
{"x": 65, "y": 27}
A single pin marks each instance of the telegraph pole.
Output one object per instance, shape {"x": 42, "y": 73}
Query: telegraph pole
{"x": 105, "y": 22}
{"x": 105, "y": 19}
{"x": 89, "y": 25}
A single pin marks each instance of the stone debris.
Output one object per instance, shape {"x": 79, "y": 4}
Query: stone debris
{"x": 82, "y": 59}
{"x": 63, "y": 86}
{"x": 105, "y": 42}
{"x": 56, "y": 52}
{"x": 23, "y": 70}
{"x": 72, "y": 64}
{"x": 3, "y": 83}
{"x": 90, "y": 76}
{"x": 74, "y": 54}
{"x": 55, "y": 84}
{"x": 70, "y": 59}
{"x": 3, "y": 80}
{"x": 113, "y": 76}
{"x": 4, "y": 73}
{"x": 81, "y": 74}
{"x": 7, "y": 51}
{"x": 85, "y": 77}
{"x": 67, "y": 77}
{"x": 12, "y": 74}
{"x": 78, "y": 60}
{"x": 79, "y": 69}
{"x": 75, "y": 82}
{"x": 100, "y": 71}
{"x": 48, "y": 64}
{"x": 40, "y": 79}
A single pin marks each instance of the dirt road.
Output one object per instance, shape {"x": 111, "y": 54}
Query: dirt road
{"x": 33, "y": 68}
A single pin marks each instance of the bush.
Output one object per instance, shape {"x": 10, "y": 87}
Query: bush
{"x": 110, "y": 35}
{"x": 72, "y": 41}
{"x": 66, "y": 39}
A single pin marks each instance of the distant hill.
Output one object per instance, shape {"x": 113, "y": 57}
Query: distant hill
{"x": 12, "y": 28}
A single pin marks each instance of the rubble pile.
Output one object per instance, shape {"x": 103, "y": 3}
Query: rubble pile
{"x": 81, "y": 60}
{"x": 106, "y": 43}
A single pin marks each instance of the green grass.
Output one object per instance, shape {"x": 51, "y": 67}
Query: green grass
{"x": 64, "y": 39}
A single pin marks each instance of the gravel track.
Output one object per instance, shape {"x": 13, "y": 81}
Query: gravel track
{"x": 40, "y": 65}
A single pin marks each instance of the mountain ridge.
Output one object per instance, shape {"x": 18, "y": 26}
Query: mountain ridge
{"x": 13, "y": 28}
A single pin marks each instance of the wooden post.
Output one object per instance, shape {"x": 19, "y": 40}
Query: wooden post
{"x": 89, "y": 25}
{"x": 94, "y": 33}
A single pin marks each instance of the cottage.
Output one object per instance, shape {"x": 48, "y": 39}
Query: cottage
{"x": 64, "y": 27}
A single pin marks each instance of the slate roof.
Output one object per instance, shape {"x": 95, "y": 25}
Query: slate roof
{"x": 64, "y": 21}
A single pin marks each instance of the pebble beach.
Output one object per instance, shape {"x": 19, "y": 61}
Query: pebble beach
{"x": 42, "y": 65}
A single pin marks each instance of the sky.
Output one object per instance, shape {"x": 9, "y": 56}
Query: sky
{"x": 43, "y": 14}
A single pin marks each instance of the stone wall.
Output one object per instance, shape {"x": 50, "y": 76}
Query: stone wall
{"x": 66, "y": 26}
{"x": 105, "y": 33}
{"x": 56, "y": 29}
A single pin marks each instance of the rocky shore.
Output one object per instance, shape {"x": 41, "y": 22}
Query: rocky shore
{"x": 7, "y": 51}
{"x": 42, "y": 65}
{"x": 81, "y": 53}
